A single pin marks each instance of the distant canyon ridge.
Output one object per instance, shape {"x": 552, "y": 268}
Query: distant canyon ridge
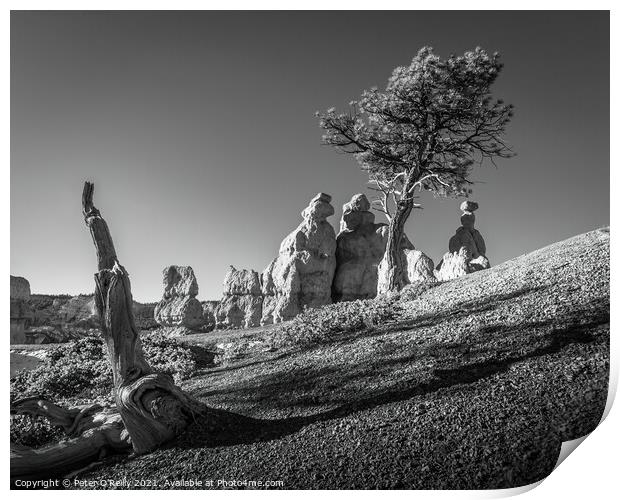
{"x": 314, "y": 267}
{"x": 43, "y": 318}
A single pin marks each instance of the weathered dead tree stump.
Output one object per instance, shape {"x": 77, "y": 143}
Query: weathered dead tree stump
{"x": 153, "y": 409}
{"x": 150, "y": 408}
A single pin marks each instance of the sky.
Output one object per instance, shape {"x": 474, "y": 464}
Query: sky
{"x": 198, "y": 130}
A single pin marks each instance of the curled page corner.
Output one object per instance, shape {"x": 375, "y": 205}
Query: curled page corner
{"x": 567, "y": 448}
{"x": 506, "y": 492}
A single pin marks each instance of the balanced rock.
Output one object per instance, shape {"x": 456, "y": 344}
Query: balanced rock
{"x": 242, "y": 304}
{"x": 467, "y": 249}
{"x": 302, "y": 274}
{"x": 360, "y": 246}
{"x": 468, "y": 207}
{"x": 179, "y": 306}
{"x": 468, "y": 236}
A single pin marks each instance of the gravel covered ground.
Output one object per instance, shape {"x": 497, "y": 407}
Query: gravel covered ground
{"x": 475, "y": 386}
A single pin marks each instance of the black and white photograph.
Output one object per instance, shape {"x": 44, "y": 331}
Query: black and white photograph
{"x": 307, "y": 249}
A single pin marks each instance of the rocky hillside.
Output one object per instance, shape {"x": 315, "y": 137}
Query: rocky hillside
{"x": 58, "y": 318}
{"x": 474, "y": 384}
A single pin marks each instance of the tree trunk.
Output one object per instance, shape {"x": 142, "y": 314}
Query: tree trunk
{"x": 393, "y": 269}
{"x": 150, "y": 409}
{"x": 153, "y": 409}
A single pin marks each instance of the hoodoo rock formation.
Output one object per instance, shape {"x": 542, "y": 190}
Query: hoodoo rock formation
{"x": 467, "y": 249}
{"x": 21, "y": 311}
{"x": 179, "y": 306}
{"x": 302, "y": 274}
{"x": 242, "y": 304}
{"x": 360, "y": 246}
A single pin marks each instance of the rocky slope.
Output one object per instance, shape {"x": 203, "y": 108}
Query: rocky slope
{"x": 475, "y": 385}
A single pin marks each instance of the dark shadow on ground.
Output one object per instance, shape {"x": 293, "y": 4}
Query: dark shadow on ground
{"x": 223, "y": 428}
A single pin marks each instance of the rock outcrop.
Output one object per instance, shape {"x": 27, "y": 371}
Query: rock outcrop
{"x": 453, "y": 265}
{"x": 268, "y": 290}
{"x": 242, "y": 304}
{"x": 420, "y": 267}
{"x": 417, "y": 267}
{"x": 360, "y": 246}
{"x": 60, "y": 318}
{"x": 180, "y": 281}
{"x": 21, "y": 313}
{"x": 209, "y": 309}
{"x": 467, "y": 249}
{"x": 302, "y": 274}
{"x": 79, "y": 311}
{"x": 179, "y": 306}
{"x": 20, "y": 288}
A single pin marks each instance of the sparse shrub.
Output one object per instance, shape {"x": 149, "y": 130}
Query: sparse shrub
{"x": 78, "y": 369}
{"x": 81, "y": 369}
{"x": 78, "y": 373}
{"x": 168, "y": 355}
{"x": 327, "y": 323}
{"x": 34, "y": 431}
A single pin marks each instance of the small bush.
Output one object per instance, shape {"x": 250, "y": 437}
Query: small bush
{"x": 327, "y": 323}
{"x": 77, "y": 369}
{"x": 168, "y": 355}
{"x": 81, "y": 370}
{"x": 34, "y": 431}
{"x": 78, "y": 373}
